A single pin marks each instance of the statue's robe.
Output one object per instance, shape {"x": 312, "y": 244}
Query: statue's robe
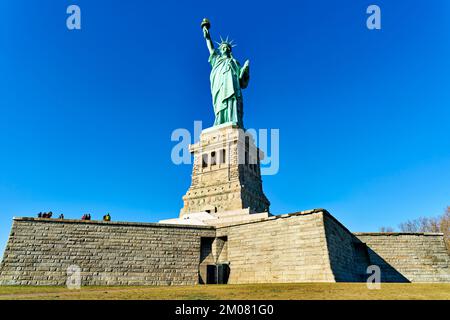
{"x": 227, "y": 79}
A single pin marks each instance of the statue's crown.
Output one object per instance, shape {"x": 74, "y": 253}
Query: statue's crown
{"x": 226, "y": 42}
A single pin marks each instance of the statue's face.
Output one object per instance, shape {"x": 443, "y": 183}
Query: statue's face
{"x": 225, "y": 49}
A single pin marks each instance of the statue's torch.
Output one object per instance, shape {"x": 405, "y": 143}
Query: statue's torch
{"x": 205, "y": 24}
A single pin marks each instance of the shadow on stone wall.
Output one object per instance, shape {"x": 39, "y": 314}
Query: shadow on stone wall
{"x": 350, "y": 257}
{"x": 388, "y": 272}
{"x": 364, "y": 257}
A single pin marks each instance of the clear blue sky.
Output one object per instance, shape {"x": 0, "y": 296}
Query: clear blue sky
{"x": 86, "y": 116}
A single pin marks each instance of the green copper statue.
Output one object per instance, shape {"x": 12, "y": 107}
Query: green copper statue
{"x": 227, "y": 79}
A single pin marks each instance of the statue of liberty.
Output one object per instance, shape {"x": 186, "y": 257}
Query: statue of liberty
{"x": 227, "y": 79}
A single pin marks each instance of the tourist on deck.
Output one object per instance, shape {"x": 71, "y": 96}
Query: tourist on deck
{"x": 107, "y": 217}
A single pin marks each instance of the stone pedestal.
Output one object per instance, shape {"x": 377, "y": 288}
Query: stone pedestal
{"x": 226, "y": 173}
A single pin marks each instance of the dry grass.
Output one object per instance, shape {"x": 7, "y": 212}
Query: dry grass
{"x": 297, "y": 291}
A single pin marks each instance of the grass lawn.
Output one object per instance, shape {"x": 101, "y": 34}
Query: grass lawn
{"x": 305, "y": 291}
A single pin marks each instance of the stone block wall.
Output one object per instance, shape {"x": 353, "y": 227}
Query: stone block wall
{"x": 342, "y": 252}
{"x": 309, "y": 246}
{"x": 286, "y": 248}
{"x": 408, "y": 257}
{"x": 313, "y": 246}
{"x": 39, "y": 251}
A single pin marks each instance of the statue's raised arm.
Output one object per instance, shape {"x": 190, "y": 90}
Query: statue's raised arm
{"x": 205, "y": 27}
